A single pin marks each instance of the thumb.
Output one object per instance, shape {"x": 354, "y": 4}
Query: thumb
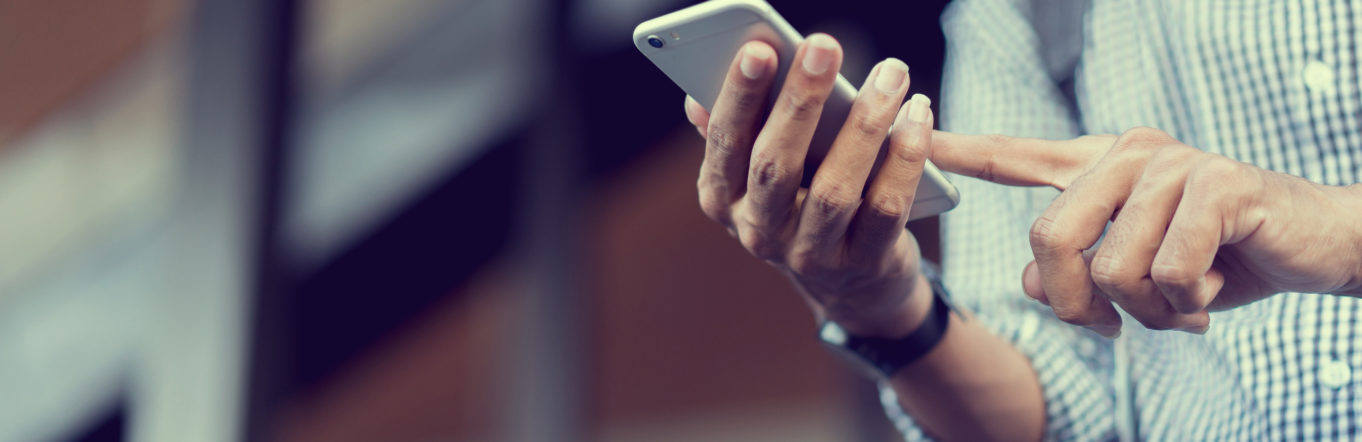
{"x": 697, "y": 115}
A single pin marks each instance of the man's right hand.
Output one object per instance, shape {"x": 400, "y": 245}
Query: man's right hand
{"x": 850, "y": 256}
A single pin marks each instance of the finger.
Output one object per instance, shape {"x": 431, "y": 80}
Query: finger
{"x": 732, "y": 126}
{"x": 1031, "y": 283}
{"x": 1101, "y": 317}
{"x": 1188, "y": 250}
{"x": 887, "y": 204}
{"x": 1071, "y": 225}
{"x": 780, "y": 148}
{"x": 697, "y": 115}
{"x": 1121, "y": 267}
{"x": 1018, "y": 161}
{"x": 1076, "y": 219}
{"x": 835, "y": 192}
{"x": 1213, "y": 283}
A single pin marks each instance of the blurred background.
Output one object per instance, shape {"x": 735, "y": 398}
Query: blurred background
{"x": 406, "y": 220}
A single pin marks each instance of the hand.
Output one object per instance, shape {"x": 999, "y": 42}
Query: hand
{"x": 1190, "y": 232}
{"x": 850, "y": 256}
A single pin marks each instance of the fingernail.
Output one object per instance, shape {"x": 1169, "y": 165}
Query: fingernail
{"x": 819, "y": 57}
{"x": 890, "y": 75}
{"x": 1108, "y": 331}
{"x": 919, "y": 107}
{"x": 754, "y": 60}
{"x": 1200, "y": 330}
{"x": 686, "y": 109}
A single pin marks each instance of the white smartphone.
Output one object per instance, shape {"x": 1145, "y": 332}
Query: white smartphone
{"x": 695, "y": 45}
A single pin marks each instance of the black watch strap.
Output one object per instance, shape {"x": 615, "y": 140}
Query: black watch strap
{"x": 888, "y": 356}
{"x": 891, "y": 355}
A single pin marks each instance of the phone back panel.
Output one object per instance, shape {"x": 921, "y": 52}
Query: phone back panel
{"x": 699, "y": 45}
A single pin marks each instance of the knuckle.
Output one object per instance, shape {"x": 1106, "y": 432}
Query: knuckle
{"x": 803, "y": 105}
{"x": 1097, "y": 146}
{"x": 831, "y": 198}
{"x": 888, "y": 208}
{"x": 805, "y": 264}
{"x": 747, "y": 220}
{"x": 1167, "y": 158}
{"x": 715, "y": 186}
{"x": 712, "y": 206}
{"x": 769, "y": 171}
{"x": 760, "y": 245}
{"x": 1110, "y": 271}
{"x": 911, "y": 150}
{"x": 742, "y": 96}
{"x": 869, "y": 126}
{"x": 1141, "y": 137}
{"x": 757, "y": 221}
{"x": 1217, "y": 172}
{"x": 990, "y": 165}
{"x": 1072, "y": 314}
{"x": 1225, "y": 179}
{"x": 1174, "y": 276}
{"x": 721, "y": 140}
{"x": 1044, "y": 235}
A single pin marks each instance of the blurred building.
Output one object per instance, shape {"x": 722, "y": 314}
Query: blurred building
{"x": 401, "y": 220}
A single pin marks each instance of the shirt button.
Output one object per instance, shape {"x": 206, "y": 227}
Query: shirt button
{"x": 1335, "y": 373}
{"x": 1318, "y": 76}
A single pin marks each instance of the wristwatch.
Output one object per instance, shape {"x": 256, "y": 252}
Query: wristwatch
{"x": 881, "y": 357}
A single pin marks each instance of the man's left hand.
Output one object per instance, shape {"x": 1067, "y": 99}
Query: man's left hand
{"x": 1191, "y": 231}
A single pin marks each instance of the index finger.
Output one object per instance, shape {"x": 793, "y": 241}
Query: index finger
{"x": 1016, "y": 161}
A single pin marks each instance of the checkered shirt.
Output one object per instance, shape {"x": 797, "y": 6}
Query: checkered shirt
{"x": 1272, "y": 83}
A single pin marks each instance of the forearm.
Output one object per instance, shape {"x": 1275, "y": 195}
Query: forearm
{"x": 972, "y": 386}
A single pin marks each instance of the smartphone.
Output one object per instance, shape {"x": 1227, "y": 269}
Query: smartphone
{"x": 694, "y": 47}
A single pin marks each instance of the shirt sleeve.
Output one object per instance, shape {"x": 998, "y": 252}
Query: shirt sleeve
{"x": 1003, "y": 76}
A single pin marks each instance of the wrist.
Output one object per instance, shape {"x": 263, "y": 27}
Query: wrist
{"x": 1352, "y": 205}
{"x": 895, "y": 322}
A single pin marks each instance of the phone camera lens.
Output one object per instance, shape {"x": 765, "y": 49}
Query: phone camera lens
{"x": 654, "y": 41}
